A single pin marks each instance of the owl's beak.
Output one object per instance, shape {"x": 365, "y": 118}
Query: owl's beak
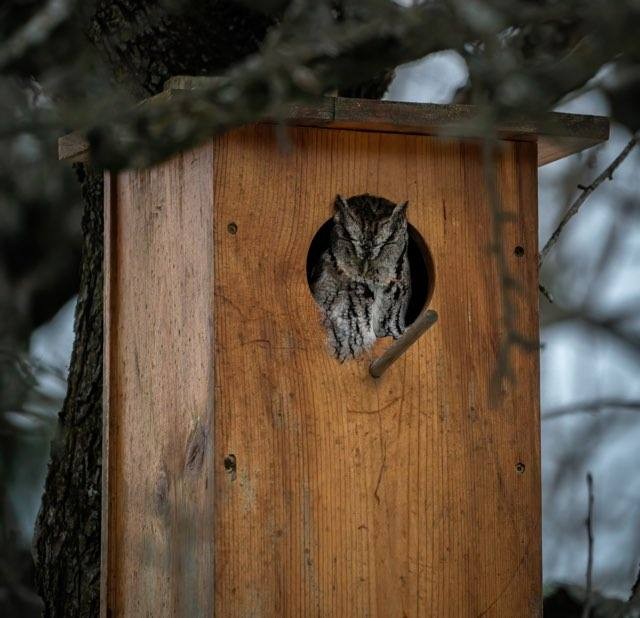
{"x": 364, "y": 267}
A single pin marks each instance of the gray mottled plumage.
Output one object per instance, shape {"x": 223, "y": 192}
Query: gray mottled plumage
{"x": 362, "y": 281}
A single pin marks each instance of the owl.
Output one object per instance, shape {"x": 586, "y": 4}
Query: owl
{"x": 362, "y": 281}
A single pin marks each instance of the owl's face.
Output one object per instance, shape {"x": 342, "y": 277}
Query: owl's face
{"x": 369, "y": 236}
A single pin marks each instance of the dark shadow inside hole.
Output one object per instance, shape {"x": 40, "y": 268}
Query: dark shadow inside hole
{"x": 420, "y": 264}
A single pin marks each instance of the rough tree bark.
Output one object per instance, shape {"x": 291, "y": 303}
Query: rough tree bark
{"x": 67, "y": 541}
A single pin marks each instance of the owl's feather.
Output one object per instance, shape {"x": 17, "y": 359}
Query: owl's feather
{"x": 362, "y": 282}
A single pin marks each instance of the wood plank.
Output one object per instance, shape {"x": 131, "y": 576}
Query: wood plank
{"x": 558, "y": 135}
{"x": 160, "y": 409}
{"x": 351, "y": 496}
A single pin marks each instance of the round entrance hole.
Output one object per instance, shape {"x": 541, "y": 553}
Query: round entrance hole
{"x": 420, "y": 265}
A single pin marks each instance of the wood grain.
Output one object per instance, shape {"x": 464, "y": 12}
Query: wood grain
{"x": 160, "y": 449}
{"x": 321, "y": 491}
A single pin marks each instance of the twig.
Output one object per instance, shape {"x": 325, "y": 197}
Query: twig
{"x": 586, "y": 609}
{"x": 29, "y": 366}
{"x": 607, "y": 174}
{"x": 36, "y": 30}
{"x": 592, "y": 407}
{"x": 610, "y": 326}
{"x": 543, "y": 290}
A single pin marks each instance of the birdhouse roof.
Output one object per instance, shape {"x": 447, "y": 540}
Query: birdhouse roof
{"x": 557, "y": 134}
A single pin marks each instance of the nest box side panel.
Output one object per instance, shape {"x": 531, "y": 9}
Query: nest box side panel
{"x": 158, "y": 502}
{"x": 337, "y": 494}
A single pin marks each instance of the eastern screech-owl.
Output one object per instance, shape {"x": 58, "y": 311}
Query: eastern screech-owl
{"x": 362, "y": 281}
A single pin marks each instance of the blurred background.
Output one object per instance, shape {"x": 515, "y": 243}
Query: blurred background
{"x": 590, "y": 333}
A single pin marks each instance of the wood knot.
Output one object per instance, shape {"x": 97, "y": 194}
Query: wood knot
{"x": 196, "y": 444}
{"x": 230, "y": 466}
{"x": 161, "y": 493}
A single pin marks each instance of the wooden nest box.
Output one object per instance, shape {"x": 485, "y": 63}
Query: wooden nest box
{"x": 249, "y": 473}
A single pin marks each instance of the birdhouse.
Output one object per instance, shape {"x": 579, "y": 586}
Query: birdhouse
{"x": 247, "y": 471}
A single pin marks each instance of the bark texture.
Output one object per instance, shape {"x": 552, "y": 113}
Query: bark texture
{"x": 145, "y": 42}
{"x": 67, "y": 538}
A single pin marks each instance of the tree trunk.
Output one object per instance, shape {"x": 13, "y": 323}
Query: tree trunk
{"x": 67, "y": 538}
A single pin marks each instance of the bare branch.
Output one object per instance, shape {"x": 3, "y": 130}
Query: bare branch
{"x": 607, "y": 174}
{"x": 592, "y": 407}
{"x": 28, "y": 366}
{"x": 613, "y": 329}
{"x": 586, "y": 610}
{"x": 36, "y": 30}
{"x": 543, "y": 290}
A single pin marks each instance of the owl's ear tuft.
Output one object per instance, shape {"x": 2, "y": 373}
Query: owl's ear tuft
{"x": 341, "y": 203}
{"x": 400, "y": 209}
{"x": 342, "y": 206}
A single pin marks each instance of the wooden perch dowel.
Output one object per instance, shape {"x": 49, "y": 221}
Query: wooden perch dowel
{"x": 422, "y": 324}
